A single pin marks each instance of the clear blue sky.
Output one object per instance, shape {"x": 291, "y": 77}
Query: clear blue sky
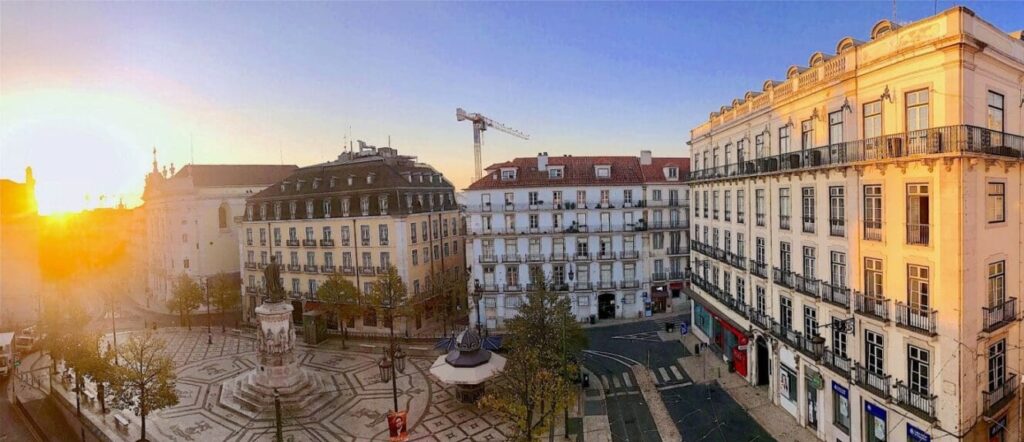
{"x": 87, "y": 89}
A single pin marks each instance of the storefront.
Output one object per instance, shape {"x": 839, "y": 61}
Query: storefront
{"x": 875, "y": 429}
{"x": 915, "y": 434}
{"x": 659, "y": 298}
{"x": 726, "y": 339}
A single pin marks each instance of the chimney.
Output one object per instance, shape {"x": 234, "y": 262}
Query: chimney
{"x": 542, "y": 161}
{"x": 645, "y": 158}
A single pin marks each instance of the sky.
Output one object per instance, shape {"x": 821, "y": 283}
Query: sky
{"x": 87, "y": 90}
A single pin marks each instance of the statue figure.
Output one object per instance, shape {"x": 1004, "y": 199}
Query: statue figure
{"x": 275, "y": 292}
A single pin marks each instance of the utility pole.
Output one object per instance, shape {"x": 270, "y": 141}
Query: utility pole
{"x": 209, "y": 319}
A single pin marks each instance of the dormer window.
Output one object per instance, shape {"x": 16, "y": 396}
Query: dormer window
{"x": 672, "y": 173}
{"x": 284, "y": 185}
{"x": 508, "y": 174}
{"x": 292, "y": 208}
{"x": 345, "y": 202}
{"x": 408, "y": 200}
{"x": 421, "y": 177}
{"x": 382, "y": 201}
{"x": 263, "y": 211}
{"x": 298, "y": 185}
{"x": 407, "y": 176}
{"x": 333, "y": 181}
{"x": 316, "y": 183}
{"x": 350, "y": 179}
{"x": 248, "y": 212}
{"x": 603, "y": 171}
{"x": 364, "y": 205}
{"x": 309, "y": 209}
{"x": 555, "y": 172}
{"x": 369, "y": 179}
{"x": 277, "y": 210}
{"x": 327, "y": 208}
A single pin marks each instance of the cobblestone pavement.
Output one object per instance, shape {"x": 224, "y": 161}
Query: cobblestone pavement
{"x": 355, "y": 410}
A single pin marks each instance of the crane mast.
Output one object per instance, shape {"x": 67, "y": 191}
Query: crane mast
{"x": 481, "y": 124}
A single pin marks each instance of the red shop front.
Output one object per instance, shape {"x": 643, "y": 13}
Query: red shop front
{"x": 733, "y": 342}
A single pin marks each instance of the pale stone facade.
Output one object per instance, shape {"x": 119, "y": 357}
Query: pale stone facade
{"x": 20, "y": 281}
{"x": 883, "y": 188}
{"x": 608, "y": 232}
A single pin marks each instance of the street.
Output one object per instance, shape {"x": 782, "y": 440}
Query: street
{"x": 700, "y": 412}
{"x": 14, "y": 427}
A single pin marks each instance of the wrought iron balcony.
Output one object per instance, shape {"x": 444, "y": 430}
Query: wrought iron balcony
{"x": 835, "y": 294}
{"x": 629, "y": 284}
{"x": 877, "y": 383}
{"x": 676, "y": 276}
{"x": 583, "y": 286}
{"x": 560, "y": 286}
{"x": 488, "y": 259}
{"x": 292, "y": 243}
{"x": 677, "y": 250}
{"x": 580, "y": 256}
{"x": 369, "y": 271}
{"x": 248, "y": 242}
{"x": 250, "y": 265}
{"x": 999, "y": 315}
{"x": 348, "y": 271}
{"x": 326, "y": 243}
{"x": 784, "y": 222}
{"x": 261, "y": 266}
{"x": 841, "y": 365}
{"x": 785, "y": 278}
{"x": 999, "y": 396}
{"x": 873, "y": 230}
{"x": 513, "y": 288}
{"x": 812, "y": 347}
{"x": 535, "y": 257}
{"x": 947, "y": 139}
{"x": 762, "y": 320}
{"x": 511, "y": 258}
{"x": 308, "y": 268}
{"x": 736, "y": 260}
{"x": 759, "y": 268}
{"x": 309, "y": 243}
{"x": 606, "y": 285}
{"x": 872, "y": 306}
{"x": 489, "y": 287}
{"x": 659, "y": 276}
{"x": 327, "y": 269}
{"x": 916, "y": 318}
{"x": 917, "y": 234}
{"x": 559, "y": 256}
{"x": 807, "y": 286}
{"x": 629, "y": 254}
{"x": 920, "y": 403}
{"x": 606, "y": 255}
{"x": 294, "y": 267}
{"x": 837, "y": 227}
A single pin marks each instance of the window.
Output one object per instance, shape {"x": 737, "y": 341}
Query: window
{"x": 248, "y": 236}
{"x": 841, "y": 404}
{"x": 784, "y": 139}
{"x": 383, "y": 232}
{"x": 714, "y": 204}
{"x": 741, "y": 210}
{"x": 918, "y": 287}
{"x": 810, "y": 258}
{"x": 917, "y": 214}
{"x": 835, "y": 127}
{"x": 838, "y": 269}
{"x": 185, "y": 263}
{"x": 838, "y": 339}
{"x": 555, "y": 172}
{"x": 874, "y": 352}
{"x": 309, "y": 233}
{"x": 364, "y": 205}
{"x": 872, "y": 119}
{"x": 364, "y": 235}
{"x": 785, "y": 256}
{"x": 581, "y": 198}
{"x": 995, "y": 202}
{"x": 327, "y": 208}
{"x": 784, "y": 208}
{"x": 996, "y": 283}
{"x": 385, "y": 259}
{"x": 741, "y": 247}
{"x": 873, "y": 212}
{"x": 807, "y": 205}
{"x": 995, "y": 111}
{"x": 508, "y": 174}
{"x": 837, "y": 210}
{"x": 759, "y": 250}
{"x": 310, "y": 258}
{"x": 727, "y": 200}
{"x": 533, "y": 198}
{"x": 918, "y": 361}
{"x": 786, "y": 313}
{"x": 604, "y": 171}
{"x": 807, "y": 134}
{"x": 760, "y": 303}
{"x": 873, "y": 278}
{"x": 759, "y": 207}
{"x": 556, "y": 198}
{"x": 327, "y": 233}
{"x": 627, "y": 196}
{"x": 997, "y": 365}
{"x": 789, "y": 384}
{"x": 810, "y": 321}
{"x": 415, "y": 257}
{"x": 917, "y": 120}
{"x": 294, "y": 258}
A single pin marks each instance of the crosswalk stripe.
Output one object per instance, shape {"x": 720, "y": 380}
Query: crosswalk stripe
{"x": 617, "y": 383}
{"x": 654, "y": 376}
{"x": 675, "y": 371}
{"x": 604, "y": 382}
{"x": 625, "y": 378}
{"x": 664, "y": 374}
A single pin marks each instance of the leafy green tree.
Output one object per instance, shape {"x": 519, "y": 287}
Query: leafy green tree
{"x": 520, "y": 392}
{"x": 341, "y": 297}
{"x": 225, "y": 293}
{"x": 145, "y": 381}
{"x": 449, "y": 291}
{"x": 186, "y": 297}
{"x": 390, "y": 293}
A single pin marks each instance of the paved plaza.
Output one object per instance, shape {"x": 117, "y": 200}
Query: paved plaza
{"x": 355, "y": 409}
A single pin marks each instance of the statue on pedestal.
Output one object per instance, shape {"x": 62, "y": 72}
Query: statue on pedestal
{"x": 272, "y": 274}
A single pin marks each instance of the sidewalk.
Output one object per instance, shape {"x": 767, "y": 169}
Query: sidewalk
{"x": 708, "y": 367}
{"x": 678, "y": 309}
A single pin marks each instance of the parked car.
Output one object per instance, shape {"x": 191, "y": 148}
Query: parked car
{"x": 26, "y": 341}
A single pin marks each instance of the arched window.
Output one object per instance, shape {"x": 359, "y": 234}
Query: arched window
{"x": 222, "y": 215}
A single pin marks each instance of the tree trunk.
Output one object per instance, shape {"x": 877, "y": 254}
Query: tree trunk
{"x": 102, "y": 393}
{"x": 344, "y": 331}
{"x": 142, "y": 412}
{"x": 222, "y": 329}
{"x": 78, "y": 395}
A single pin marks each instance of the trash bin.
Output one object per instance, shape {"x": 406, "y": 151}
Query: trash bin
{"x": 670, "y": 327}
{"x": 586, "y": 380}
{"x": 696, "y": 349}
{"x": 593, "y": 319}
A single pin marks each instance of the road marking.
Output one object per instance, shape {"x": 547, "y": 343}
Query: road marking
{"x": 664, "y": 374}
{"x": 675, "y": 371}
{"x": 654, "y": 376}
{"x": 625, "y": 378}
{"x": 618, "y": 384}
{"x": 605, "y": 383}
{"x": 623, "y": 393}
{"x": 669, "y": 387}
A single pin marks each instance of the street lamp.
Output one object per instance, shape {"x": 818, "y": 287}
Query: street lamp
{"x": 477, "y": 294}
{"x": 394, "y": 358}
{"x": 209, "y": 319}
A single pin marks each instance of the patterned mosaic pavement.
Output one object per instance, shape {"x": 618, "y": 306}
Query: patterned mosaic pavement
{"x": 354, "y": 411}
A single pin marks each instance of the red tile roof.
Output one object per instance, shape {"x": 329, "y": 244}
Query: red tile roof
{"x": 655, "y": 172}
{"x": 579, "y": 171}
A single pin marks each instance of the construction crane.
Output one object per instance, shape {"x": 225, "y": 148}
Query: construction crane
{"x": 480, "y": 124}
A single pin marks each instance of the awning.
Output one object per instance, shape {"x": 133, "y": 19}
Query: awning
{"x": 659, "y": 294}
{"x": 704, "y": 301}
{"x": 675, "y": 285}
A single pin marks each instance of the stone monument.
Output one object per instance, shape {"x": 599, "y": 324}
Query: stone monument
{"x": 252, "y": 393}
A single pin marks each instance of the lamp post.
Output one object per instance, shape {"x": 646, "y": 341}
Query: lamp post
{"x": 477, "y": 295}
{"x": 394, "y": 358}
{"x": 564, "y": 372}
{"x": 209, "y": 319}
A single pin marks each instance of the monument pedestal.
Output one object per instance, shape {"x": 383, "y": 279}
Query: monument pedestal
{"x": 252, "y": 393}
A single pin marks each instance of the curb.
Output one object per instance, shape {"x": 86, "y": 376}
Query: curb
{"x": 662, "y": 419}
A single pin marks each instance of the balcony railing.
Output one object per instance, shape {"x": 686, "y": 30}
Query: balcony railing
{"x": 292, "y": 243}
{"x": 874, "y": 306}
{"x": 511, "y": 258}
{"x": 535, "y": 257}
{"x": 878, "y": 384}
{"x": 294, "y": 267}
{"x": 248, "y": 242}
{"x": 489, "y": 287}
{"x": 677, "y": 250}
{"x": 327, "y": 269}
{"x": 309, "y": 243}
{"x": 659, "y": 276}
{"x": 559, "y": 256}
{"x": 873, "y": 230}
{"x": 837, "y": 227}
{"x": 606, "y": 255}
{"x": 513, "y": 287}
{"x": 370, "y": 271}
{"x": 250, "y": 265}
{"x": 261, "y": 265}
{"x": 488, "y": 259}
{"x": 1000, "y": 314}
{"x": 349, "y": 271}
{"x": 629, "y": 254}
{"x": 560, "y": 286}
{"x": 606, "y": 285}
{"x": 917, "y": 318}
{"x": 761, "y": 319}
{"x": 784, "y": 222}
{"x": 629, "y": 284}
{"x": 838, "y": 363}
{"x": 326, "y": 243}
{"x": 807, "y": 286}
{"x": 251, "y": 290}
{"x": 961, "y": 139}
{"x": 583, "y": 286}
{"x": 995, "y": 398}
{"x": 676, "y": 276}
{"x": 808, "y": 224}
{"x": 835, "y": 294}
{"x": 785, "y": 278}
{"x": 310, "y": 268}
{"x": 759, "y": 268}
{"x": 581, "y": 257}
{"x": 917, "y": 234}
{"x": 917, "y": 402}
{"x": 736, "y": 260}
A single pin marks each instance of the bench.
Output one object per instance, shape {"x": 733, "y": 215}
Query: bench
{"x": 120, "y": 421}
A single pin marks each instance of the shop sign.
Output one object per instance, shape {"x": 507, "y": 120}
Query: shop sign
{"x": 814, "y": 379}
{"x": 915, "y": 434}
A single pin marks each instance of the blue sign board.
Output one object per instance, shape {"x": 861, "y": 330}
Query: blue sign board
{"x": 874, "y": 410}
{"x": 684, "y": 328}
{"x": 915, "y": 434}
{"x": 841, "y": 390}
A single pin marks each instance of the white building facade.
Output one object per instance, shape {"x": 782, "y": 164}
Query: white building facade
{"x": 193, "y": 217}
{"x": 870, "y": 284}
{"x": 583, "y": 222}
